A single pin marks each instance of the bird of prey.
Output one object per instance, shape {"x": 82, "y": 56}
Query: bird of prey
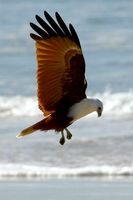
{"x": 60, "y": 77}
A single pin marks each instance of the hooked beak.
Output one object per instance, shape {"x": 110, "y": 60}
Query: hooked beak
{"x": 99, "y": 113}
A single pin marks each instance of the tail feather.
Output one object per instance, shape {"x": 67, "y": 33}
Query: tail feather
{"x": 26, "y": 131}
{"x": 39, "y": 125}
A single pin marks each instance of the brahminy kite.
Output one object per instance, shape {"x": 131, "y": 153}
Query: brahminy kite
{"x": 60, "y": 77}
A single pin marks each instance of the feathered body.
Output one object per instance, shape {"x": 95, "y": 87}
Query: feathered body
{"x": 60, "y": 76}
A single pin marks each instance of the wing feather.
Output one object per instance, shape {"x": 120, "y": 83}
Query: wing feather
{"x": 61, "y": 66}
{"x": 41, "y": 32}
{"x": 63, "y": 25}
{"x": 54, "y": 24}
{"x": 45, "y": 26}
{"x": 74, "y": 34}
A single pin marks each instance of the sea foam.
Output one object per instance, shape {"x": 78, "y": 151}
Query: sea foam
{"x": 115, "y": 104}
{"x": 29, "y": 171}
{"x": 18, "y": 106}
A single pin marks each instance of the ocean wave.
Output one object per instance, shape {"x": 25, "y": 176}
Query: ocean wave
{"x": 13, "y": 50}
{"x": 115, "y": 104}
{"x": 112, "y": 40}
{"x": 98, "y": 41}
{"x": 29, "y": 171}
{"x": 18, "y": 106}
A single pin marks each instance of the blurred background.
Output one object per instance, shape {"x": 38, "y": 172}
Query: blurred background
{"x": 100, "y": 146}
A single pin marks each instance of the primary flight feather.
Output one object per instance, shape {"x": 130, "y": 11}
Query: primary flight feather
{"x": 60, "y": 77}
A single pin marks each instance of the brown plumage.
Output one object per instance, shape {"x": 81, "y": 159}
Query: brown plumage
{"x": 60, "y": 73}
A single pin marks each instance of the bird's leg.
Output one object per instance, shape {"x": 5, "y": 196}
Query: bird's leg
{"x": 69, "y": 135}
{"x": 62, "y": 140}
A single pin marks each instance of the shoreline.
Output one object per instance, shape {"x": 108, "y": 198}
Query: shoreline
{"x": 75, "y": 189}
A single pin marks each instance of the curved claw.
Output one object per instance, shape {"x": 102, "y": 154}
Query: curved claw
{"x": 62, "y": 139}
{"x": 69, "y": 135}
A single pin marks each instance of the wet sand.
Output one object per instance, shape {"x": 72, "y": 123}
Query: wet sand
{"x": 64, "y": 189}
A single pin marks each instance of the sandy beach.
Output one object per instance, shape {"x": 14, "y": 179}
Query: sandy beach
{"x": 74, "y": 189}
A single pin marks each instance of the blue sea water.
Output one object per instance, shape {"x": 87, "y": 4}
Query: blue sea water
{"x": 99, "y": 146}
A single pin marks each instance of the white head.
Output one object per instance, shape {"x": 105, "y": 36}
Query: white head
{"x": 85, "y": 107}
{"x": 98, "y": 106}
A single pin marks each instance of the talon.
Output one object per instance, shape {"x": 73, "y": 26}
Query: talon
{"x": 69, "y": 135}
{"x": 62, "y": 140}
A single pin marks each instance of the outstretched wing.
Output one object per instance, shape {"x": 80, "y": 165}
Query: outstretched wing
{"x": 61, "y": 65}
